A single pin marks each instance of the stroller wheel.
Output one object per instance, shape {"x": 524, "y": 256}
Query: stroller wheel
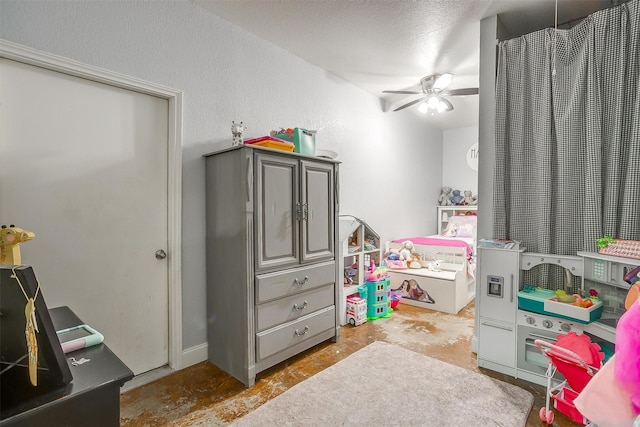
{"x": 546, "y": 416}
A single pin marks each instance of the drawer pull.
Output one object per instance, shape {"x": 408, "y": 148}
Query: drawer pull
{"x": 303, "y": 281}
{"x": 506, "y": 328}
{"x": 298, "y": 333}
{"x": 301, "y": 307}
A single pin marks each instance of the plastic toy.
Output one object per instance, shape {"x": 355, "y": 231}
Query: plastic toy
{"x": 578, "y": 360}
{"x": 378, "y": 294}
{"x": 395, "y": 298}
{"x": 236, "y": 131}
{"x": 356, "y": 310}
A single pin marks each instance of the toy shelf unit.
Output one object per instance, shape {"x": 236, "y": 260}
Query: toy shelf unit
{"x": 446, "y": 212}
{"x": 360, "y": 245}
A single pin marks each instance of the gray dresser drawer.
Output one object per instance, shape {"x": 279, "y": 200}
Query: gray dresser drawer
{"x": 290, "y": 308}
{"x": 281, "y": 337}
{"x": 288, "y": 282}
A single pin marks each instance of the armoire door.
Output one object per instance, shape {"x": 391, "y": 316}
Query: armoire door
{"x": 277, "y": 211}
{"x": 318, "y": 204}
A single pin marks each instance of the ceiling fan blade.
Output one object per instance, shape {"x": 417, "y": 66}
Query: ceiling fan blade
{"x": 404, "y": 92}
{"x": 447, "y": 103}
{"x": 441, "y": 81}
{"x": 409, "y": 104}
{"x": 460, "y": 92}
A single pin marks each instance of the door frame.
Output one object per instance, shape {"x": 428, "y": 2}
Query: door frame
{"x": 27, "y": 55}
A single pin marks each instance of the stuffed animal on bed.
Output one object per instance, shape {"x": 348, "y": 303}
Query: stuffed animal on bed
{"x": 445, "y": 197}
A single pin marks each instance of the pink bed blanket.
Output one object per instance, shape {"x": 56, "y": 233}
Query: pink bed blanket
{"x": 434, "y": 241}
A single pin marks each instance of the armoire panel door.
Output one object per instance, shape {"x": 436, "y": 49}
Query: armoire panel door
{"x": 317, "y": 198}
{"x": 277, "y": 229}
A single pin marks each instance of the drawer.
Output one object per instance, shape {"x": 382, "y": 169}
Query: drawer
{"x": 289, "y": 334}
{"x": 271, "y": 286}
{"x": 293, "y": 307}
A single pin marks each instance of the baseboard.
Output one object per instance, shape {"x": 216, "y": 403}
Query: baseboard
{"x": 195, "y": 354}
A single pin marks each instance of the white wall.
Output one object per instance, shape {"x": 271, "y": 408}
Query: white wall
{"x": 391, "y": 162}
{"x": 457, "y": 173}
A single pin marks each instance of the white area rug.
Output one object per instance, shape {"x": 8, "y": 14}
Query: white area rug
{"x": 386, "y": 385}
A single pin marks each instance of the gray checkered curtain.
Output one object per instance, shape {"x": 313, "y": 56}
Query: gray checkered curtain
{"x": 568, "y": 134}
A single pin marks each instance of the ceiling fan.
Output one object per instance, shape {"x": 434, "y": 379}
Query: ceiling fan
{"x": 433, "y": 94}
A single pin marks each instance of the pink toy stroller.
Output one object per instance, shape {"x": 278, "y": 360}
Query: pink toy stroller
{"x": 578, "y": 360}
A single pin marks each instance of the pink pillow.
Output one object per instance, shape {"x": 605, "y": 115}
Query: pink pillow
{"x": 465, "y": 230}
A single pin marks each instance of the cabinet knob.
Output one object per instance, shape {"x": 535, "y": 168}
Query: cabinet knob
{"x": 304, "y": 331}
{"x": 303, "y": 281}
{"x": 301, "y": 307}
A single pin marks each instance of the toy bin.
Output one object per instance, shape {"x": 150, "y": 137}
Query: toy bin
{"x": 271, "y": 142}
{"x": 304, "y": 140}
{"x": 541, "y": 301}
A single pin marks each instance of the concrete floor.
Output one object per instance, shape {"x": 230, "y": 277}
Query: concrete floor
{"x": 180, "y": 399}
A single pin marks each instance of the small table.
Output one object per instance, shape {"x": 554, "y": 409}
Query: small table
{"x": 93, "y": 397}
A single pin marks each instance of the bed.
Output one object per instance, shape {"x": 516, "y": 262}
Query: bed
{"x": 447, "y": 285}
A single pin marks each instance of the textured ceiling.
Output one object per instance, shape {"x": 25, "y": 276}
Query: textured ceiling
{"x": 390, "y": 45}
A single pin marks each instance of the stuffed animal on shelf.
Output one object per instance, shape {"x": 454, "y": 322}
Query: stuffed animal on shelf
{"x": 456, "y": 197}
{"x": 470, "y": 199}
{"x": 445, "y": 197}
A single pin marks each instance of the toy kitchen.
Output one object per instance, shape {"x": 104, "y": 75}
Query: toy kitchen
{"x": 585, "y": 294}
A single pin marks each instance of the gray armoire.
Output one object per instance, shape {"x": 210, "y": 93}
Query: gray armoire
{"x": 271, "y": 257}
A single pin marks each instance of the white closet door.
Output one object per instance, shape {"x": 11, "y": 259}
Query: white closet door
{"x": 84, "y": 166}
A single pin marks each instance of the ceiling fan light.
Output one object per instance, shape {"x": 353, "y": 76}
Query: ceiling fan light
{"x": 423, "y": 107}
{"x": 442, "y": 81}
{"x": 442, "y": 107}
{"x": 433, "y": 102}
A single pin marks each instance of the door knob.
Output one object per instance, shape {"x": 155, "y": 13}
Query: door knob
{"x": 160, "y": 254}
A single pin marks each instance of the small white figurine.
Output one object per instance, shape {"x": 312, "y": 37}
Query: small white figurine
{"x": 236, "y": 130}
{"x": 434, "y": 265}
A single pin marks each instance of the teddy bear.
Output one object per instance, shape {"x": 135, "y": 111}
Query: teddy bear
{"x": 407, "y": 254}
{"x": 456, "y": 197}
{"x": 469, "y": 199}
{"x": 445, "y": 197}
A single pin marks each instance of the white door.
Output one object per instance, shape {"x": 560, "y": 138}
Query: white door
{"x": 84, "y": 166}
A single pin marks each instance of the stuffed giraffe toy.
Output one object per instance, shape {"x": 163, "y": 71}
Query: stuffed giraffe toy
{"x": 10, "y": 239}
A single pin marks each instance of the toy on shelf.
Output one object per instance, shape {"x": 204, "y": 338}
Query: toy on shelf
{"x": 445, "y": 197}
{"x": 470, "y": 199}
{"x": 10, "y": 239}
{"x": 456, "y": 198}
